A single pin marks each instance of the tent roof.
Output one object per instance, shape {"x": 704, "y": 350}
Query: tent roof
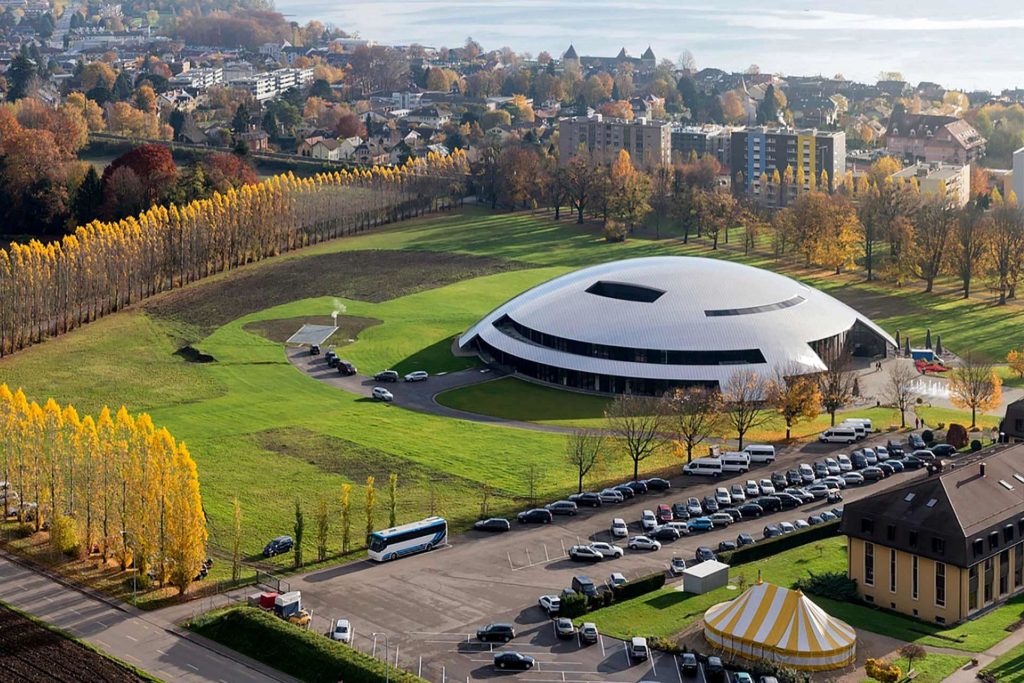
{"x": 779, "y": 619}
{"x": 312, "y": 334}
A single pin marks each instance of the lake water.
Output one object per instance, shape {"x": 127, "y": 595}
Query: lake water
{"x": 959, "y": 44}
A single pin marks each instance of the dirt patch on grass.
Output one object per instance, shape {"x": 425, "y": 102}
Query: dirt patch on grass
{"x": 372, "y": 276}
{"x": 278, "y": 331}
{"x": 29, "y": 652}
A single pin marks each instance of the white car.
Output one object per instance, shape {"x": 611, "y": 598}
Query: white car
{"x": 648, "y": 521}
{"x": 806, "y": 473}
{"x": 723, "y": 497}
{"x": 844, "y": 463}
{"x": 682, "y": 527}
{"x": 881, "y": 453}
{"x": 677, "y": 566}
{"x": 786, "y": 527}
{"x": 550, "y": 603}
{"x": 767, "y": 487}
{"x": 607, "y": 550}
{"x": 619, "y": 528}
{"x": 752, "y": 490}
{"x": 417, "y": 376}
{"x": 382, "y": 394}
{"x": 616, "y": 579}
{"x": 737, "y": 494}
{"x": 610, "y": 496}
{"x": 643, "y": 543}
{"x": 341, "y": 631}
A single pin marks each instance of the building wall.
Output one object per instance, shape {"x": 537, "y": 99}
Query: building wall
{"x": 959, "y": 604}
{"x": 648, "y": 143}
{"x": 1018, "y": 175}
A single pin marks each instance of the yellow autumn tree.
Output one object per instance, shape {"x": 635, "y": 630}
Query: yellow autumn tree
{"x": 974, "y": 385}
{"x": 186, "y": 523}
{"x": 1015, "y": 361}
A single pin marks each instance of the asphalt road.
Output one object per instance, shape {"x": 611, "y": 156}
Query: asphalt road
{"x": 145, "y": 640}
{"x": 429, "y": 606}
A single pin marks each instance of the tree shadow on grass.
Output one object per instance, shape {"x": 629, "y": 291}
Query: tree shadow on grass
{"x": 435, "y": 358}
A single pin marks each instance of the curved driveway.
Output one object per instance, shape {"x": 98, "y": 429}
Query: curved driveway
{"x": 418, "y": 396}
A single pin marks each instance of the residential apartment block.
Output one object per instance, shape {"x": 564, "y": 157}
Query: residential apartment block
{"x": 267, "y": 86}
{"x": 945, "y": 548}
{"x": 757, "y": 153}
{"x": 198, "y": 79}
{"x": 649, "y": 143}
{"x": 928, "y": 138}
{"x": 953, "y": 179}
{"x": 708, "y": 140}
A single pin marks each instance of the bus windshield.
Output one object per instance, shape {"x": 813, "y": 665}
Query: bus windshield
{"x": 375, "y": 542}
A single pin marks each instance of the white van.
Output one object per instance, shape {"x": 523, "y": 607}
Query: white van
{"x": 638, "y": 648}
{"x": 760, "y": 453}
{"x": 840, "y": 434}
{"x": 708, "y": 467}
{"x": 735, "y": 462}
{"x": 857, "y": 427}
{"x": 863, "y": 420}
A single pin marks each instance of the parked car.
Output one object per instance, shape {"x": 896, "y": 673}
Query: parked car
{"x": 710, "y": 504}
{"x": 925, "y": 455}
{"x": 745, "y": 539}
{"x": 853, "y": 478}
{"x": 721, "y": 519}
{"x": 513, "y": 660}
{"x": 779, "y": 481}
{"x": 882, "y": 453}
{"x": 562, "y": 507}
{"x": 800, "y": 493}
{"x": 832, "y": 465}
{"x": 688, "y": 664}
{"x": 887, "y": 468}
{"x": 704, "y": 553}
{"x": 607, "y": 549}
{"x": 806, "y": 473}
{"x": 564, "y": 628}
{"x": 786, "y": 527}
{"x": 616, "y": 579}
{"x": 769, "y": 503}
{"x": 341, "y": 631}
{"x": 588, "y": 632}
{"x": 814, "y": 520}
{"x": 331, "y": 358}
{"x": 498, "y": 632}
{"x": 732, "y": 512}
{"x": 386, "y": 376}
{"x": 314, "y": 349}
{"x": 714, "y": 670}
{"x": 737, "y": 494}
{"x": 819, "y": 491}
{"x": 793, "y": 478}
{"x": 638, "y": 649}
{"x": 694, "y": 507}
{"x": 752, "y": 489}
{"x": 844, "y": 463}
{"x": 278, "y": 546}
{"x": 700, "y": 524}
{"x": 584, "y": 553}
{"x": 916, "y": 442}
{"x": 677, "y": 566}
{"x": 638, "y": 486}
{"x": 788, "y": 500}
{"x": 771, "y": 531}
{"x": 417, "y": 376}
{"x": 664, "y": 513}
{"x": 766, "y": 486}
{"x": 680, "y": 511}
{"x": 619, "y": 528}
{"x": 611, "y": 496}
{"x": 724, "y": 546}
{"x": 643, "y": 543}
{"x": 493, "y": 524}
{"x": 345, "y": 368}
{"x": 742, "y": 677}
{"x": 657, "y": 484}
{"x": 535, "y": 516}
{"x": 382, "y": 394}
{"x": 550, "y": 603}
{"x": 586, "y": 499}
{"x": 665, "y": 533}
{"x": 895, "y": 464}
{"x": 648, "y": 520}
{"x": 751, "y": 510}
{"x": 834, "y": 481}
{"x": 723, "y": 497}
{"x": 800, "y": 523}
{"x": 909, "y": 462}
{"x": 626, "y": 491}
{"x": 827, "y": 516}
{"x": 872, "y": 474}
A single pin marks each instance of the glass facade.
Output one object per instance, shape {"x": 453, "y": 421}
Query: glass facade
{"x": 940, "y": 584}
{"x": 989, "y": 580}
{"x": 913, "y": 577}
{"x": 892, "y": 570}
{"x": 972, "y": 588}
{"x": 869, "y": 564}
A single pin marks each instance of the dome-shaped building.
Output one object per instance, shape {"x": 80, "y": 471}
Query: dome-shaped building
{"x": 648, "y": 325}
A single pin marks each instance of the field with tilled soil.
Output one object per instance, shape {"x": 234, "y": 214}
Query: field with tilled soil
{"x": 30, "y": 652}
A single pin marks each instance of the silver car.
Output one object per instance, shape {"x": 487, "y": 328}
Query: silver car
{"x": 417, "y": 376}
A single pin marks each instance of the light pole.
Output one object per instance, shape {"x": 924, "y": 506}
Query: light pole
{"x": 387, "y": 651}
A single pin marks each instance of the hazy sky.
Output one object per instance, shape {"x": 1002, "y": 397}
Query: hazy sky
{"x": 956, "y": 43}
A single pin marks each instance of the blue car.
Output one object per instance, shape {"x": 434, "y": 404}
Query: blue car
{"x": 700, "y": 524}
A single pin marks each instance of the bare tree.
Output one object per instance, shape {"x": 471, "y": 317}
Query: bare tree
{"x": 746, "y": 394}
{"x": 836, "y": 384}
{"x": 583, "y": 448}
{"x": 637, "y": 421}
{"x": 900, "y": 391}
{"x": 531, "y": 477}
{"x": 693, "y": 414}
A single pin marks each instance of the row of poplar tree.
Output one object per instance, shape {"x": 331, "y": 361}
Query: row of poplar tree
{"x": 114, "y": 485}
{"x": 48, "y": 289}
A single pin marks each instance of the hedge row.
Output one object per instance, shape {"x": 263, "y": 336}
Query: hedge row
{"x": 295, "y": 651}
{"x": 772, "y": 546}
{"x": 637, "y": 587}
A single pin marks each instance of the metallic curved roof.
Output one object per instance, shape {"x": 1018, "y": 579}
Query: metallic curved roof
{"x": 699, "y": 304}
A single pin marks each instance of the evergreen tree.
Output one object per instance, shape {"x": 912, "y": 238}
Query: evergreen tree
{"x": 21, "y": 77}
{"x": 88, "y": 197}
{"x": 768, "y": 109}
{"x": 177, "y": 121}
{"x": 122, "y": 89}
{"x": 300, "y": 530}
{"x": 240, "y": 121}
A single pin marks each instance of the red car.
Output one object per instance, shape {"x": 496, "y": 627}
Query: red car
{"x": 664, "y": 514}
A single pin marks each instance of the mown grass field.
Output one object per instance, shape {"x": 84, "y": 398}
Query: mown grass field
{"x": 1009, "y": 668}
{"x": 934, "y": 668}
{"x": 263, "y": 432}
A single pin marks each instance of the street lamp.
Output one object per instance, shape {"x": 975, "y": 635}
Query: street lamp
{"x": 387, "y": 652}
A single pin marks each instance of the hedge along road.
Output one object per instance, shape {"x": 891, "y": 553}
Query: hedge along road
{"x": 431, "y": 603}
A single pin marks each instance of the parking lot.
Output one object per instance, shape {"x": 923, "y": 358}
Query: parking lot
{"x": 425, "y": 609}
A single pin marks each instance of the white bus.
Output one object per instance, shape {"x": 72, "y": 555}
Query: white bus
{"x": 407, "y": 539}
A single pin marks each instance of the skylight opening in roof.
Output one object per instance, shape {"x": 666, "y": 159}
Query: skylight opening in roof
{"x": 1006, "y": 485}
{"x": 909, "y": 497}
{"x": 722, "y": 312}
{"x": 625, "y": 292}
{"x": 931, "y": 503}
{"x": 1019, "y": 478}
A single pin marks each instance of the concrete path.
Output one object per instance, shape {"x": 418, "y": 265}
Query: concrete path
{"x": 149, "y": 641}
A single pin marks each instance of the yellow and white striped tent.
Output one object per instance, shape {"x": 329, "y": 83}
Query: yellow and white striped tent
{"x": 780, "y": 625}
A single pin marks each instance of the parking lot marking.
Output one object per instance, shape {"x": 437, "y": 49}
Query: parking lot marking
{"x": 192, "y": 666}
{"x": 134, "y": 640}
{"x": 678, "y": 674}
{"x": 653, "y": 667}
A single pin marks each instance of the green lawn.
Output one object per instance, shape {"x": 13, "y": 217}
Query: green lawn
{"x": 264, "y": 432}
{"x": 667, "y": 612}
{"x": 934, "y": 668}
{"x": 1009, "y": 668}
{"x": 947, "y": 416}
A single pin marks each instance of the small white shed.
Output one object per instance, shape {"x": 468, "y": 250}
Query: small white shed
{"x": 704, "y": 577}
